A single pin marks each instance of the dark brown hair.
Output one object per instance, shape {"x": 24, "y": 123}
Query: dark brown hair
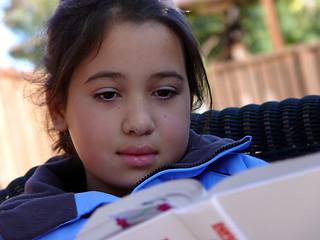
{"x": 77, "y": 27}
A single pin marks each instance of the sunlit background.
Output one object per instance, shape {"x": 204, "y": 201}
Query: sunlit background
{"x": 8, "y": 40}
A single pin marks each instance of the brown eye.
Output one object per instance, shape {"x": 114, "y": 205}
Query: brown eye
{"x": 106, "y": 96}
{"x": 165, "y": 93}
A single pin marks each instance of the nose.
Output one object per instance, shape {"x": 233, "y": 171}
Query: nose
{"x": 138, "y": 119}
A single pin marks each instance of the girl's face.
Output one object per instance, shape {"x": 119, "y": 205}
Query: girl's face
{"x": 128, "y": 108}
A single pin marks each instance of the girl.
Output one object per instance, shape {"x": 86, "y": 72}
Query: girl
{"x": 122, "y": 79}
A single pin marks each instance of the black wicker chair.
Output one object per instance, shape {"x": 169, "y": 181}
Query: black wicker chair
{"x": 280, "y": 130}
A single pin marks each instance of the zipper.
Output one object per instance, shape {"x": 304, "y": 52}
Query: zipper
{"x": 191, "y": 165}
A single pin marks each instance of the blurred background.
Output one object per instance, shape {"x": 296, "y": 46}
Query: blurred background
{"x": 254, "y": 51}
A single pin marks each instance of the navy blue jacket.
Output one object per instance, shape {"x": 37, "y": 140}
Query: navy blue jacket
{"x": 56, "y": 205}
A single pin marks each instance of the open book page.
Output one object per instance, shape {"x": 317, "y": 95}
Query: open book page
{"x": 279, "y": 201}
{"x": 141, "y": 206}
{"x": 166, "y": 226}
{"x": 272, "y": 172}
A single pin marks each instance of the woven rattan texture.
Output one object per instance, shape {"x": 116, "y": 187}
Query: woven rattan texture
{"x": 279, "y": 129}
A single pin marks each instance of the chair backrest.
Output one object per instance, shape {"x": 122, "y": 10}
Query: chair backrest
{"x": 279, "y": 129}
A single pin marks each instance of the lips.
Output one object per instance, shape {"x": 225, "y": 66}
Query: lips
{"x": 138, "y": 156}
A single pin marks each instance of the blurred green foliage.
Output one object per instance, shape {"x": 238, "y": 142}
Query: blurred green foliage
{"x": 27, "y": 19}
{"x": 299, "y": 21}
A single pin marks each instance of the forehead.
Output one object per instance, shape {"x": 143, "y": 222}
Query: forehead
{"x": 122, "y": 33}
{"x": 127, "y": 43}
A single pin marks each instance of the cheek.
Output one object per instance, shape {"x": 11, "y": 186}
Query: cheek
{"x": 90, "y": 129}
{"x": 179, "y": 120}
{"x": 176, "y": 128}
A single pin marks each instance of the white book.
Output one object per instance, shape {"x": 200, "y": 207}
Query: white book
{"x": 278, "y": 201}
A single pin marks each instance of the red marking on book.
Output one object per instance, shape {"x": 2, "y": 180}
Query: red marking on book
{"x": 122, "y": 222}
{"x": 164, "y": 207}
{"x": 223, "y": 231}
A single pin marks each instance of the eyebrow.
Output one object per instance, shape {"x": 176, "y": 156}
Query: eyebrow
{"x": 168, "y": 74}
{"x": 113, "y": 75}
{"x": 104, "y": 75}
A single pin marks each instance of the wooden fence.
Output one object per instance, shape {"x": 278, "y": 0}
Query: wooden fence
{"x": 23, "y": 141}
{"x": 293, "y": 72}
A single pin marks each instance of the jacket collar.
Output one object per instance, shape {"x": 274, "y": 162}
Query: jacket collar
{"x": 201, "y": 151}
